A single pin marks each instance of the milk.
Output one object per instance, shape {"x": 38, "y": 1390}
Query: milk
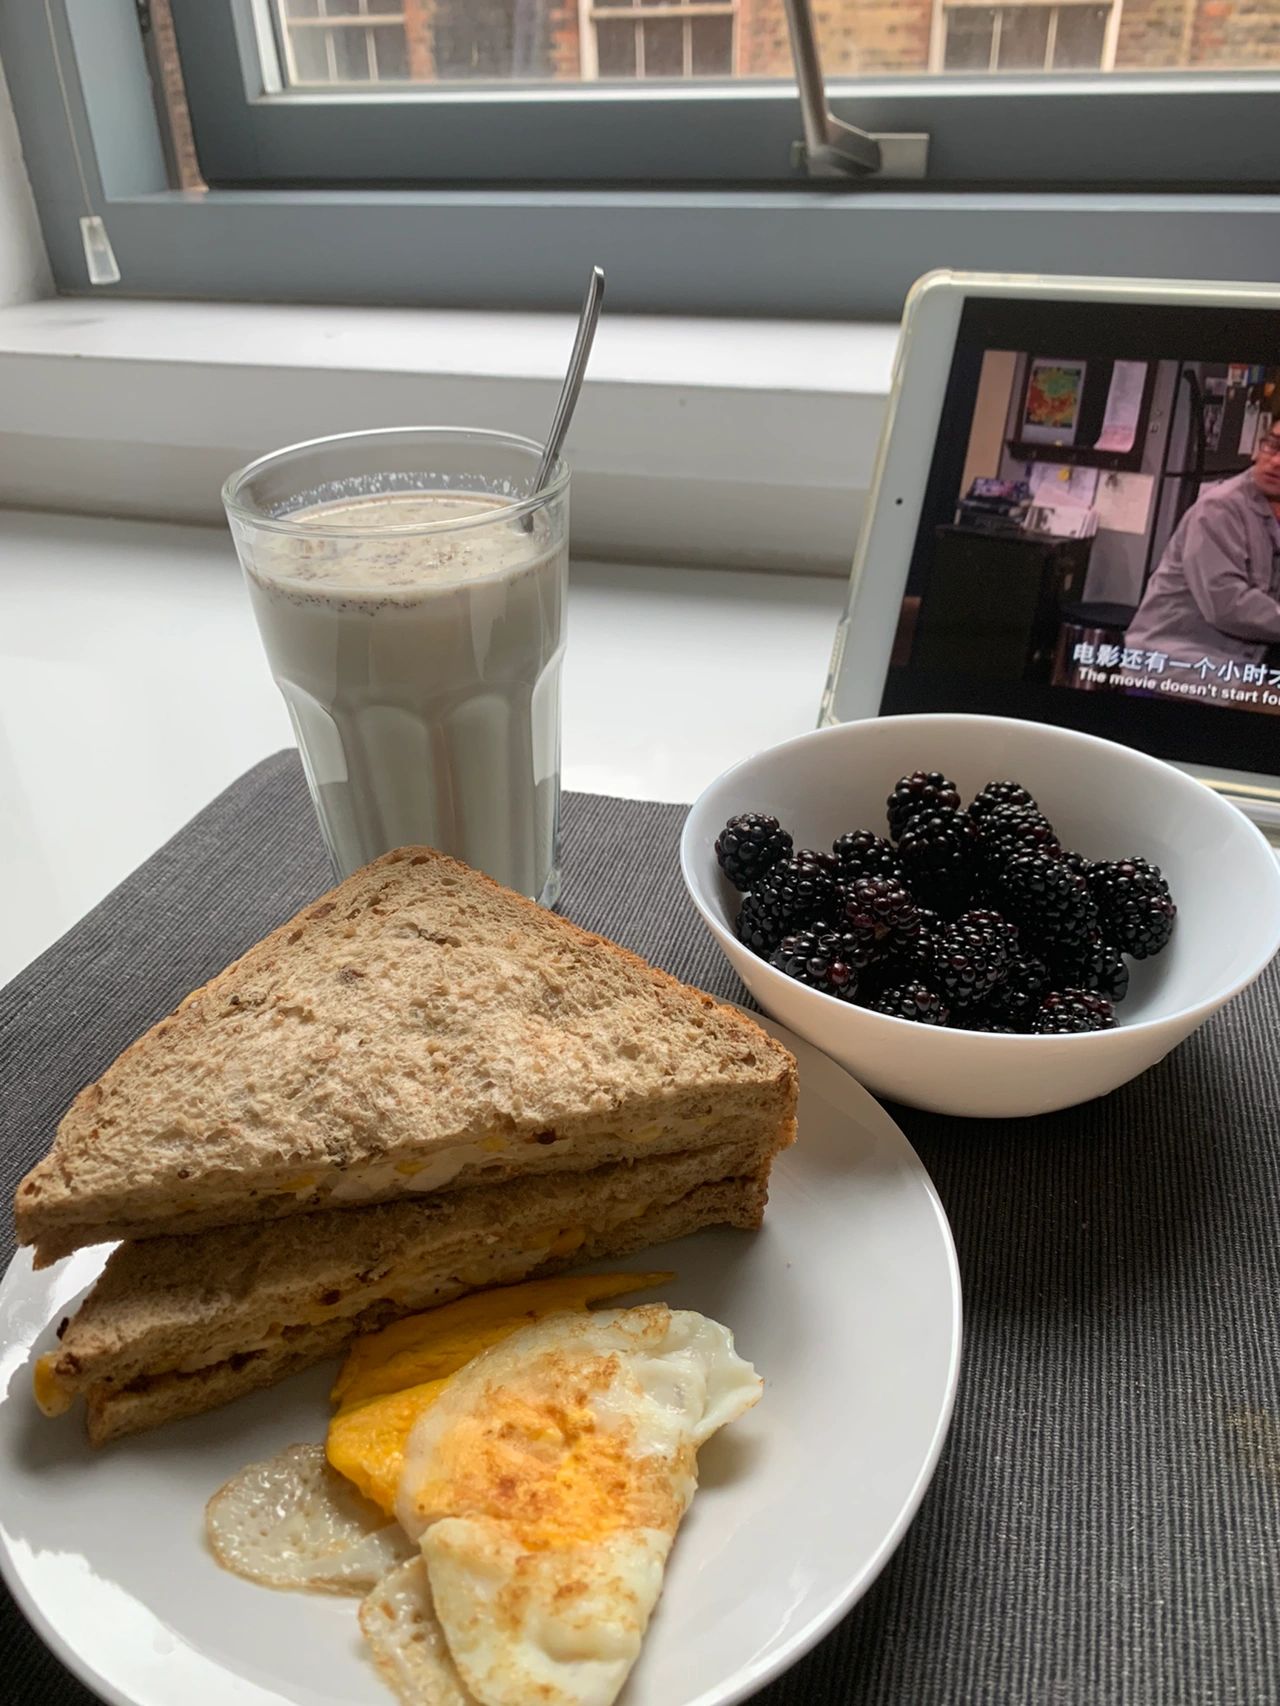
{"x": 422, "y": 674}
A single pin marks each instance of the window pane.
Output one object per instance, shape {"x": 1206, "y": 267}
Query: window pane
{"x": 616, "y": 49}
{"x": 565, "y": 41}
{"x": 350, "y": 53}
{"x": 1082, "y": 31}
{"x": 969, "y": 31}
{"x": 1024, "y": 38}
{"x": 664, "y": 47}
{"x": 310, "y": 56}
{"x": 478, "y": 39}
{"x": 712, "y": 47}
{"x": 391, "y": 53}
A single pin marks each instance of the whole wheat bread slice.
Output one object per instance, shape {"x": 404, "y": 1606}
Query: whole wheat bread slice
{"x": 417, "y": 1030}
{"x": 171, "y": 1330}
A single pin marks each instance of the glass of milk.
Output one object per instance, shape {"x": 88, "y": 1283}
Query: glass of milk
{"x": 411, "y": 598}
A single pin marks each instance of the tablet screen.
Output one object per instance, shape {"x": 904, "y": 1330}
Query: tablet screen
{"x": 1099, "y": 543}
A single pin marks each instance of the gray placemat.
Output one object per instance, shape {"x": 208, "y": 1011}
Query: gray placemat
{"x": 1105, "y": 1523}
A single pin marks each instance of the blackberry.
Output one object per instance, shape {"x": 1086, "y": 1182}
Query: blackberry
{"x": 1014, "y": 1000}
{"x": 1007, "y": 831}
{"x": 880, "y": 915}
{"x": 1095, "y": 964}
{"x": 997, "y": 794}
{"x": 1078, "y": 863}
{"x": 749, "y": 845}
{"x": 788, "y": 897}
{"x": 911, "y": 1001}
{"x": 817, "y": 958}
{"x": 1042, "y": 897}
{"x": 1137, "y": 909}
{"x": 1142, "y": 927}
{"x": 910, "y": 960}
{"x": 968, "y": 964}
{"x": 1064, "y": 1011}
{"x": 818, "y": 860}
{"x": 990, "y": 925}
{"x": 1126, "y": 878}
{"x": 862, "y": 853}
{"x": 937, "y": 851}
{"x": 921, "y": 791}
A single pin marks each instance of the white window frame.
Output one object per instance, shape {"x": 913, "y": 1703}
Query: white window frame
{"x": 938, "y": 32}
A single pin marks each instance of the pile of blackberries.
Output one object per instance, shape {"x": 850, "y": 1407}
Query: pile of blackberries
{"x": 976, "y": 918}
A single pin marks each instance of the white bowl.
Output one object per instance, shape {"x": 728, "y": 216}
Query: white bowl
{"x": 1107, "y": 801}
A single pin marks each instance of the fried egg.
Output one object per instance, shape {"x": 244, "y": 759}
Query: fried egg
{"x": 292, "y": 1522}
{"x": 545, "y": 1485}
{"x": 391, "y": 1378}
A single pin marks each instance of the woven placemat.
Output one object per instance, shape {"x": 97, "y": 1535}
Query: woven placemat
{"x": 1105, "y": 1524}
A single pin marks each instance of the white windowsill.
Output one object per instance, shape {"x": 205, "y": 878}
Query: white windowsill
{"x": 739, "y": 442}
{"x": 133, "y": 688}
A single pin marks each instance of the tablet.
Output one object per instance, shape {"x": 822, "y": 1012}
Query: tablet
{"x": 1075, "y": 517}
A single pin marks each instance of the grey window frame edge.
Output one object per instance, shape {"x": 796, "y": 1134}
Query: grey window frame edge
{"x": 737, "y": 134}
{"x": 705, "y": 251}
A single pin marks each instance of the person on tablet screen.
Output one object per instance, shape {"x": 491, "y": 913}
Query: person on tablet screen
{"x": 1216, "y": 592}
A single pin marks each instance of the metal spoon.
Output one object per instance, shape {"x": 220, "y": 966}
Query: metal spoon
{"x": 587, "y": 322}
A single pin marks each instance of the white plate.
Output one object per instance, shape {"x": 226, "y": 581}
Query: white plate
{"x": 848, "y": 1302}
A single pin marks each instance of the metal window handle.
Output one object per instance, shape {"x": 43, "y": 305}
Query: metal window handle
{"x": 832, "y": 148}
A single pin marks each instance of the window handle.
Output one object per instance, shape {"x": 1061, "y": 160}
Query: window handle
{"x": 832, "y": 148}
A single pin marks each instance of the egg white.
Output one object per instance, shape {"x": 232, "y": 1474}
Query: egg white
{"x": 293, "y": 1522}
{"x": 399, "y": 1622}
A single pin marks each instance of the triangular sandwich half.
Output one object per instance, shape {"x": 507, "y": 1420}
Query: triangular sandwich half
{"x": 419, "y": 1029}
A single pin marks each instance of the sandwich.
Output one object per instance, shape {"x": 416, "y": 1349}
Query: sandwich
{"x": 419, "y": 1030}
{"x": 422, "y": 1085}
{"x": 176, "y": 1326}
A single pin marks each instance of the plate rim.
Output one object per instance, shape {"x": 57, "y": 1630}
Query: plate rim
{"x": 804, "y": 1640}
{"x": 760, "y": 1673}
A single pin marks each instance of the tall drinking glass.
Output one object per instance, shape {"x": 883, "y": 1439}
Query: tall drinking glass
{"x": 411, "y": 599}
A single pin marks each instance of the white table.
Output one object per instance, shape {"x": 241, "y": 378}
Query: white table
{"x": 133, "y": 689}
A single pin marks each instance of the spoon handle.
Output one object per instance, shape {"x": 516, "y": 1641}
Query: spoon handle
{"x": 587, "y": 322}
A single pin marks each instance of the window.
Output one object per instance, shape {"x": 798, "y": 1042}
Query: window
{"x": 658, "y": 38}
{"x": 483, "y": 152}
{"x": 342, "y": 41}
{"x": 1030, "y": 36}
{"x": 331, "y": 42}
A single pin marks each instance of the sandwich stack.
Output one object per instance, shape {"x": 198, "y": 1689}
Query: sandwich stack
{"x": 420, "y": 1086}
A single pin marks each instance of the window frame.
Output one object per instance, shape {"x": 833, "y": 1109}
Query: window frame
{"x": 251, "y": 131}
{"x": 836, "y": 250}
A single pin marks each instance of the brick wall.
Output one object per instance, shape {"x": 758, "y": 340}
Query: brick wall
{"x": 1236, "y": 33}
{"x": 174, "y": 93}
{"x": 419, "y": 31}
{"x": 854, "y": 36}
{"x": 562, "y": 39}
{"x": 1152, "y": 32}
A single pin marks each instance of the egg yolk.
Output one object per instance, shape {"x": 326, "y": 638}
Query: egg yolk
{"x": 391, "y": 1378}
{"x": 536, "y": 1461}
